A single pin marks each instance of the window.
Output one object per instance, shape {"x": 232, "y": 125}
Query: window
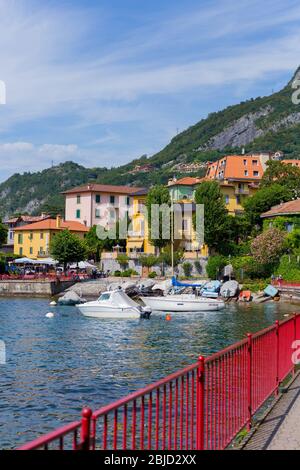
{"x": 245, "y": 162}
{"x": 184, "y": 224}
{"x": 112, "y": 215}
{"x": 31, "y": 250}
{"x": 289, "y": 226}
{"x": 97, "y": 213}
{"x": 238, "y": 199}
{"x": 78, "y": 214}
{"x": 20, "y": 238}
{"x": 112, "y": 199}
{"x": 21, "y": 251}
{"x": 128, "y": 201}
{"x": 255, "y": 173}
{"x": 254, "y": 162}
{"x": 105, "y": 297}
{"x": 42, "y": 235}
{"x": 246, "y": 172}
{"x": 98, "y": 198}
{"x": 226, "y": 199}
{"x": 30, "y": 236}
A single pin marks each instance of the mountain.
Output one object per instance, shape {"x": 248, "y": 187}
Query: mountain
{"x": 266, "y": 123}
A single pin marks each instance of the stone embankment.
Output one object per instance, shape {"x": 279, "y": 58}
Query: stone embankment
{"x": 33, "y": 288}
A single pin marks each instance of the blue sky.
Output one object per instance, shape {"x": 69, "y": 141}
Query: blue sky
{"x": 103, "y": 82}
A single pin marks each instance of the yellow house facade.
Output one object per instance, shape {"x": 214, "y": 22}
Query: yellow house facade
{"x": 33, "y": 241}
{"x": 138, "y": 238}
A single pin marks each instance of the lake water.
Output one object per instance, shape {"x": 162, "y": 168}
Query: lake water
{"x": 56, "y": 366}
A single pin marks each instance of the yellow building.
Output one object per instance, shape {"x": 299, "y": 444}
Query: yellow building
{"x": 33, "y": 241}
{"x": 138, "y": 238}
{"x": 182, "y": 193}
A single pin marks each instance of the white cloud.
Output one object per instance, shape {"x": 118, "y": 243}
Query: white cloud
{"x": 56, "y": 63}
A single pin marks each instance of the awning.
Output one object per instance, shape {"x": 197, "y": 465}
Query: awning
{"x": 24, "y": 261}
{"x": 134, "y": 245}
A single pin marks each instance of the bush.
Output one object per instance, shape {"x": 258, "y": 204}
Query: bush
{"x": 129, "y": 273}
{"x": 149, "y": 261}
{"x": 123, "y": 260}
{"x": 117, "y": 273}
{"x": 247, "y": 267}
{"x": 215, "y": 265}
{"x": 289, "y": 268}
{"x": 255, "y": 285}
{"x": 269, "y": 246}
{"x": 152, "y": 275}
{"x": 187, "y": 269}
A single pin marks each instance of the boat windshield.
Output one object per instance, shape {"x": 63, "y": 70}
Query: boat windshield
{"x": 104, "y": 297}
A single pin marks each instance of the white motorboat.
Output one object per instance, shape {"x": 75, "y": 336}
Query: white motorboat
{"x": 183, "y": 303}
{"x": 114, "y": 304}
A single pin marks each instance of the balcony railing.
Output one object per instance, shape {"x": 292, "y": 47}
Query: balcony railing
{"x": 242, "y": 191}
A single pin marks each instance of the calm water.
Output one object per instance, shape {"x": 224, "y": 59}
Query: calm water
{"x": 55, "y": 366}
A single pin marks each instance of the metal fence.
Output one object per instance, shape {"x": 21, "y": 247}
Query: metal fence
{"x": 203, "y": 406}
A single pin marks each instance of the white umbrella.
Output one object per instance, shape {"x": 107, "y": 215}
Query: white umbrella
{"x": 24, "y": 261}
{"x": 82, "y": 265}
{"x": 48, "y": 261}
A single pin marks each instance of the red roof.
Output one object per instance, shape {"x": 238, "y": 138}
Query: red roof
{"x": 50, "y": 224}
{"x": 186, "y": 181}
{"x": 286, "y": 208}
{"x": 102, "y": 188}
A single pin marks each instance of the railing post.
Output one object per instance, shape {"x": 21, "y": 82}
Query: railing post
{"x": 277, "y": 357}
{"x": 249, "y": 381}
{"x": 200, "y": 403}
{"x": 86, "y": 428}
{"x": 295, "y": 337}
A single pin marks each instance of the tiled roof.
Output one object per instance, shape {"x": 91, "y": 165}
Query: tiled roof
{"x": 286, "y": 208}
{"x": 102, "y": 188}
{"x": 50, "y": 224}
{"x": 292, "y": 162}
{"x": 141, "y": 192}
{"x": 186, "y": 181}
{"x": 27, "y": 218}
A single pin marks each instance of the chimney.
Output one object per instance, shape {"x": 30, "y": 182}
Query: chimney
{"x": 58, "y": 221}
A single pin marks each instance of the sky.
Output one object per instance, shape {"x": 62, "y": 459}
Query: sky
{"x": 102, "y": 82}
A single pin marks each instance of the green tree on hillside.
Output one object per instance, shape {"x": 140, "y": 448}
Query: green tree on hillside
{"x": 66, "y": 248}
{"x": 158, "y": 195}
{"x": 263, "y": 200}
{"x": 215, "y": 213}
{"x": 285, "y": 175}
{"x": 3, "y": 233}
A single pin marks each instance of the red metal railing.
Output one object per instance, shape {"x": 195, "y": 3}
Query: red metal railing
{"x": 203, "y": 406}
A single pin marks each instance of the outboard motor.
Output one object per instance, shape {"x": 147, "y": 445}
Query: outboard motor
{"x": 145, "y": 312}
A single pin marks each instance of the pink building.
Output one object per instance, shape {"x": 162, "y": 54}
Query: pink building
{"x": 98, "y": 204}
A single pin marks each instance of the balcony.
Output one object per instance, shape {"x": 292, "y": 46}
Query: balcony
{"x": 242, "y": 191}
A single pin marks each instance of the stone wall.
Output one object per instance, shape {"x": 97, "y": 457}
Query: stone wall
{"x": 33, "y": 288}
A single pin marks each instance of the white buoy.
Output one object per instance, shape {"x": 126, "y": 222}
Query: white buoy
{"x": 50, "y": 315}
{"x": 53, "y": 304}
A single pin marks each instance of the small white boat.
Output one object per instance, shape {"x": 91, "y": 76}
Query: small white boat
{"x": 114, "y": 304}
{"x": 183, "y": 303}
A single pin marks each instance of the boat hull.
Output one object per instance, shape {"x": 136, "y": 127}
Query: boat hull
{"x": 97, "y": 311}
{"x": 173, "y": 304}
